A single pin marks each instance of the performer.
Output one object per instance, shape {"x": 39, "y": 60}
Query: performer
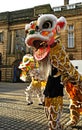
{"x": 44, "y": 36}
{"x": 53, "y": 100}
{"x": 35, "y": 88}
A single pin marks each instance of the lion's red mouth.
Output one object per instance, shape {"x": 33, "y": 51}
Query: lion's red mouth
{"x": 41, "y": 53}
{"x": 39, "y": 44}
{"x": 41, "y": 49}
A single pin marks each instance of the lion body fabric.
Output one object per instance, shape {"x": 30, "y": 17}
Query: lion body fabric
{"x": 72, "y": 80}
{"x": 35, "y": 88}
{"x": 44, "y": 36}
{"x": 60, "y": 60}
{"x": 53, "y": 110}
{"x": 53, "y": 100}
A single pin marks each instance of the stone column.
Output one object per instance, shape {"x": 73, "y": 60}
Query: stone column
{"x": 12, "y": 41}
{"x": 66, "y": 2}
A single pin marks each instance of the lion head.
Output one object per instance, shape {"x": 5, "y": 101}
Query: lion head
{"x": 42, "y": 33}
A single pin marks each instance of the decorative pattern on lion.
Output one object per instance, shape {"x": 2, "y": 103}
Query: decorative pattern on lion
{"x": 43, "y": 35}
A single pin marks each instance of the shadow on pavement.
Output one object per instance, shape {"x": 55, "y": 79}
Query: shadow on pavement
{"x": 9, "y": 123}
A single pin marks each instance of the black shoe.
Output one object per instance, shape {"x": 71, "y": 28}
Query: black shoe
{"x": 30, "y": 103}
{"x": 40, "y": 104}
{"x": 43, "y": 104}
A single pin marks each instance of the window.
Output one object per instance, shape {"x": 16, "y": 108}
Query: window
{"x": 71, "y": 36}
{"x": 1, "y": 37}
{"x": 20, "y": 40}
{"x": 71, "y": 6}
{"x": 71, "y": 27}
{"x": 57, "y": 9}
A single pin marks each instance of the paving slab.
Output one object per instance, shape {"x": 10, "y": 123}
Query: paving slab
{"x": 15, "y": 114}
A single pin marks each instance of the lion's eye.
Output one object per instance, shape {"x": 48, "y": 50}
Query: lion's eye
{"x": 47, "y": 24}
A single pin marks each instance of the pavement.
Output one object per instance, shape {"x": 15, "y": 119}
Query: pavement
{"x": 15, "y": 114}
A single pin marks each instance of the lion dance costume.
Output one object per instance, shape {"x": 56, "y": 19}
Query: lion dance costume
{"x": 29, "y": 67}
{"x": 44, "y": 36}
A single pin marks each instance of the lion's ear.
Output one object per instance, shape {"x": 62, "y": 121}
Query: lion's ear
{"x": 61, "y": 23}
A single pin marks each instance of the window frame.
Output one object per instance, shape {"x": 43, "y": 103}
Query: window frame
{"x": 71, "y": 36}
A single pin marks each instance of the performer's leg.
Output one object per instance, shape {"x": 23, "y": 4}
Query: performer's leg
{"x": 37, "y": 90}
{"x": 40, "y": 96}
{"x": 75, "y": 103}
{"x": 75, "y": 109}
{"x": 28, "y": 93}
{"x": 53, "y": 110}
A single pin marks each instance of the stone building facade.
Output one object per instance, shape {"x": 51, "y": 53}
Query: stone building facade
{"x": 12, "y": 35}
{"x": 72, "y": 36}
